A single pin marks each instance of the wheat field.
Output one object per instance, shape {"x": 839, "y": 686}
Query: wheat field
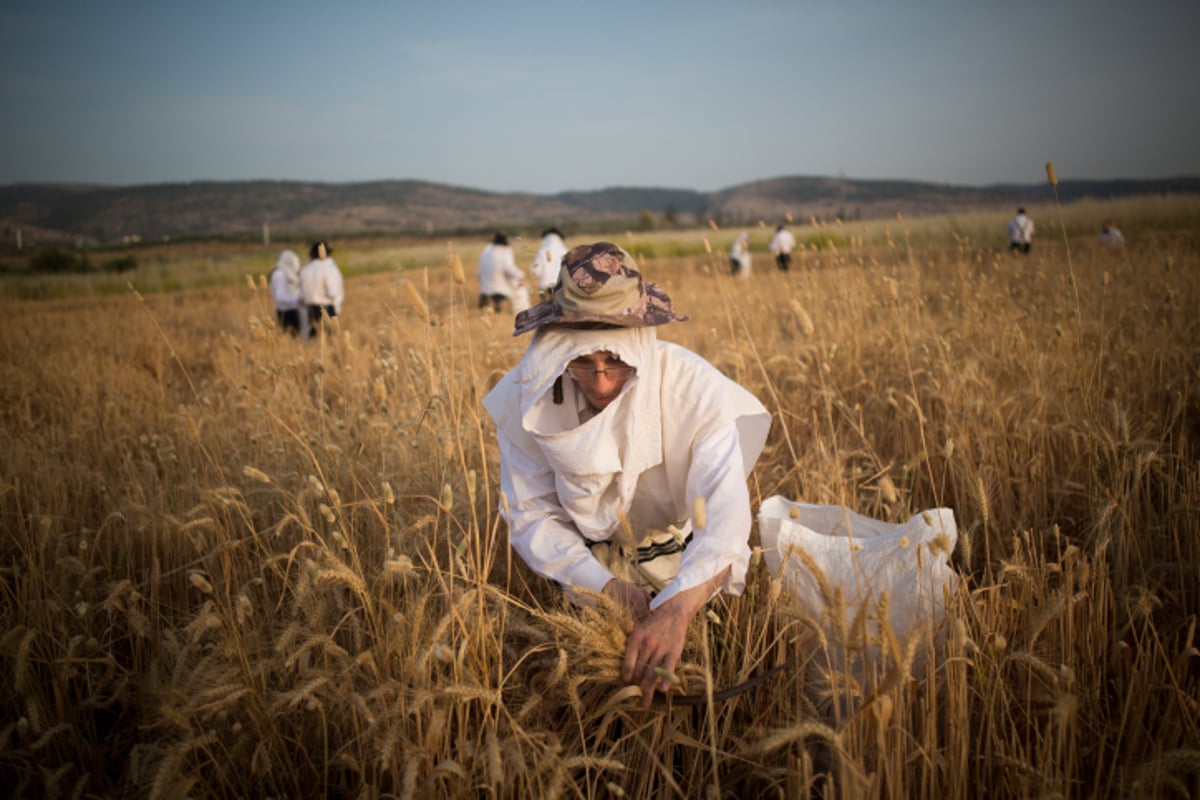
{"x": 239, "y": 565}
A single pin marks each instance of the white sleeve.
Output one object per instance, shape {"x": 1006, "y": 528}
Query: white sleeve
{"x": 334, "y": 288}
{"x": 716, "y": 474}
{"x": 539, "y": 529}
{"x": 304, "y": 289}
{"x": 513, "y": 272}
{"x": 280, "y": 292}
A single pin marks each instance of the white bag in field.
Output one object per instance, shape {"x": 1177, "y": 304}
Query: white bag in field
{"x": 862, "y": 559}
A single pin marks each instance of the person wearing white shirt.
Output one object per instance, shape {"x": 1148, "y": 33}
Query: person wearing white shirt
{"x": 321, "y": 286}
{"x": 499, "y": 276}
{"x": 1020, "y": 232}
{"x": 624, "y": 459}
{"x": 285, "y": 291}
{"x": 739, "y": 256}
{"x": 1110, "y": 234}
{"x": 782, "y": 244}
{"x": 546, "y": 263}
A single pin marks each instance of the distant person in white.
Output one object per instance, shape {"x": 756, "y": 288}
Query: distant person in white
{"x": 739, "y": 256}
{"x": 499, "y": 276}
{"x": 1020, "y": 232}
{"x": 285, "y": 291}
{"x": 547, "y": 263}
{"x": 781, "y": 245}
{"x": 321, "y": 286}
{"x": 1110, "y": 234}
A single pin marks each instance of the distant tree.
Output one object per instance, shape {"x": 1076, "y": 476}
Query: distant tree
{"x": 670, "y": 217}
{"x": 122, "y": 264}
{"x": 58, "y": 259}
{"x": 645, "y": 220}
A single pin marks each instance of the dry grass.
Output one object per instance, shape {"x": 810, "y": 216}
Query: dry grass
{"x": 237, "y": 565}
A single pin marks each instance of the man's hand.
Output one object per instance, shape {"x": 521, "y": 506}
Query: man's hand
{"x": 657, "y": 640}
{"x": 631, "y": 596}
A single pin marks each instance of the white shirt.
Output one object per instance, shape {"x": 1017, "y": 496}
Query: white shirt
{"x": 498, "y": 272}
{"x": 740, "y": 252}
{"x": 679, "y": 430}
{"x": 321, "y": 284}
{"x": 1020, "y": 229}
{"x": 782, "y": 242}
{"x": 547, "y": 264}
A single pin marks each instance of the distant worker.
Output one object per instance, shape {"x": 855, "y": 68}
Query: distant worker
{"x": 1020, "y": 232}
{"x": 739, "y": 256}
{"x": 499, "y": 276}
{"x": 321, "y": 287}
{"x": 285, "y": 291}
{"x": 781, "y": 245}
{"x": 548, "y": 262}
{"x": 1110, "y": 234}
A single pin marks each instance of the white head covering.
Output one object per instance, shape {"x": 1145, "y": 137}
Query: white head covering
{"x": 596, "y": 463}
{"x": 289, "y": 264}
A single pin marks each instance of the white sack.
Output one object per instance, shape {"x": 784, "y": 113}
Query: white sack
{"x": 863, "y": 558}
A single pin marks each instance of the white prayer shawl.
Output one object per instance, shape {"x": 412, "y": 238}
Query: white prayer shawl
{"x": 321, "y": 284}
{"x": 782, "y": 242}
{"x": 1020, "y": 229}
{"x": 678, "y": 430}
{"x": 498, "y": 272}
{"x": 547, "y": 264}
{"x": 740, "y": 252}
{"x": 285, "y": 282}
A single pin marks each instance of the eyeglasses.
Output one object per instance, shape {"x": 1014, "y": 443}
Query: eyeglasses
{"x": 618, "y": 372}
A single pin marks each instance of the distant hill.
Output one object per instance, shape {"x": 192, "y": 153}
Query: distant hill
{"x": 108, "y": 214}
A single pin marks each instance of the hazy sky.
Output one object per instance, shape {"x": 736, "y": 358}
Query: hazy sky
{"x": 545, "y": 97}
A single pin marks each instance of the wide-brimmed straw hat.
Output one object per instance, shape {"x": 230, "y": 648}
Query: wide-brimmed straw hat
{"x": 600, "y": 284}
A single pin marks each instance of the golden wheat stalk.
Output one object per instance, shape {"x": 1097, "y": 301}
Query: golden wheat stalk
{"x": 256, "y": 474}
{"x": 418, "y": 302}
{"x": 802, "y": 318}
{"x": 456, "y": 269}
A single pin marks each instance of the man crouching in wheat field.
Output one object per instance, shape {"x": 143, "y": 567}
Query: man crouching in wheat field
{"x": 605, "y": 431}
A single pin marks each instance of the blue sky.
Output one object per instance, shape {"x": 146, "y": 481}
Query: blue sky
{"x": 547, "y": 97}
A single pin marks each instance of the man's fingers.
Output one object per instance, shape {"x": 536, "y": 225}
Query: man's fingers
{"x": 648, "y": 681}
{"x": 630, "y": 669}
